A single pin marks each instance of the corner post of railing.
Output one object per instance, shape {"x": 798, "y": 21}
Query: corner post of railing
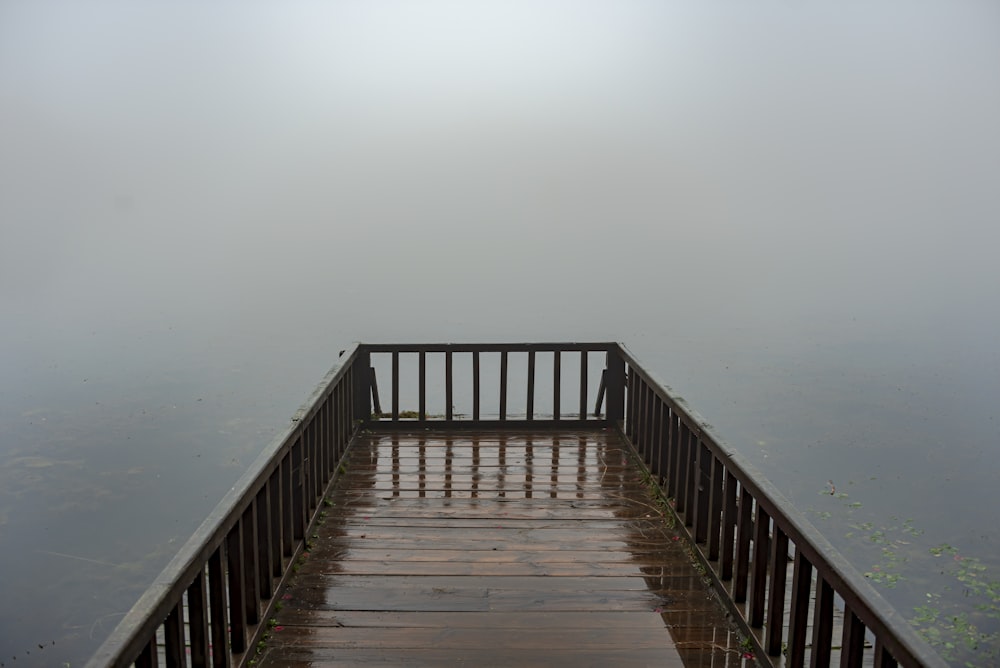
{"x": 615, "y": 387}
{"x": 361, "y": 370}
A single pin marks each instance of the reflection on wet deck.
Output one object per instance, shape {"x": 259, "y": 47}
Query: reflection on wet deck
{"x": 497, "y": 550}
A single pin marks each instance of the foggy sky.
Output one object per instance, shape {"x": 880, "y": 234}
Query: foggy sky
{"x": 179, "y": 159}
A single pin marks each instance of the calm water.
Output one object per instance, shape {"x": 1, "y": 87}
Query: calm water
{"x": 789, "y": 213}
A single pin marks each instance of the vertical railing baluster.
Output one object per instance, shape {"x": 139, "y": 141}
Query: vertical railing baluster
{"x": 702, "y": 490}
{"x": 264, "y": 553}
{"x": 798, "y": 621}
{"x": 649, "y": 433}
{"x": 632, "y": 407}
{"x": 758, "y": 581}
{"x": 235, "y": 590}
{"x": 395, "y": 386}
{"x": 339, "y": 417}
{"x": 332, "y": 422}
{"x": 251, "y": 599}
{"x": 691, "y": 476}
{"x": 730, "y": 519}
{"x": 673, "y": 466}
{"x": 333, "y": 409}
{"x": 353, "y": 418}
{"x": 602, "y": 387}
{"x": 684, "y": 494}
{"x": 309, "y": 437}
{"x": 422, "y": 381}
{"x": 503, "y": 385}
{"x": 475, "y": 385}
{"x": 633, "y": 402}
{"x": 663, "y": 445}
{"x": 287, "y": 507}
{"x": 324, "y": 444}
{"x": 583, "y": 384}
{"x": 218, "y": 610}
{"x": 822, "y": 645}
{"x": 852, "y": 651}
{"x": 316, "y": 465}
{"x": 531, "y": 385}
{"x": 375, "y": 411}
{"x": 343, "y": 407}
{"x": 173, "y": 637}
{"x": 329, "y": 439}
{"x": 680, "y": 500}
{"x": 716, "y": 505}
{"x": 316, "y": 488}
{"x": 448, "y": 387}
{"x": 276, "y": 515}
{"x": 776, "y": 593}
{"x": 743, "y": 540}
{"x": 655, "y": 438}
{"x": 298, "y": 491}
{"x": 150, "y": 655}
{"x": 319, "y": 450}
{"x": 344, "y": 421}
{"x": 197, "y": 599}
{"x": 556, "y": 384}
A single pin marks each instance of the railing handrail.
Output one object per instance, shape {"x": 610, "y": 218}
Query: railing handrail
{"x": 899, "y": 637}
{"x": 167, "y": 589}
{"x": 573, "y": 346}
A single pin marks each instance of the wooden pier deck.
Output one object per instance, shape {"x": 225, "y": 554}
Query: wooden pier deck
{"x": 506, "y": 538}
{"x": 497, "y": 549}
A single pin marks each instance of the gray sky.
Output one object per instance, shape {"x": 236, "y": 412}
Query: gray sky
{"x": 185, "y": 153}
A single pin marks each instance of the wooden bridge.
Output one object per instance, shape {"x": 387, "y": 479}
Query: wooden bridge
{"x": 478, "y": 521}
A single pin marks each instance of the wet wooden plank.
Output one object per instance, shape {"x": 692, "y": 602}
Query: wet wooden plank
{"x": 532, "y": 583}
{"x": 519, "y": 619}
{"x": 295, "y": 615}
{"x": 509, "y": 508}
{"x": 522, "y": 555}
{"x": 451, "y": 599}
{"x": 500, "y": 536}
{"x": 539, "y": 640}
{"x": 502, "y": 549}
{"x": 297, "y": 657}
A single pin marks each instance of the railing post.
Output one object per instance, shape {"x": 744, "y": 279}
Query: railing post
{"x": 615, "y": 388}
{"x": 361, "y": 370}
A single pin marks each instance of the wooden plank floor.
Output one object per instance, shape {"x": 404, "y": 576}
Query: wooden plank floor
{"x": 497, "y": 550}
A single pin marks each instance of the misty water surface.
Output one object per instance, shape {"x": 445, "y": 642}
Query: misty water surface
{"x": 789, "y": 212}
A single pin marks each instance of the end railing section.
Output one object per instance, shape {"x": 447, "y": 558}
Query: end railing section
{"x": 499, "y": 385}
{"x": 745, "y": 531}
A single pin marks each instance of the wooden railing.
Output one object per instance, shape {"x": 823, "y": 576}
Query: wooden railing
{"x": 744, "y": 530}
{"x": 210, "y": 604}
{"x": 516, "y": 371}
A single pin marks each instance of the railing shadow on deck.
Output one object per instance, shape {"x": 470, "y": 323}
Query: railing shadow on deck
{"x": 210, "y": 604}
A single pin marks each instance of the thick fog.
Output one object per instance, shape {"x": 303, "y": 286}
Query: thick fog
{"x": 229, "y": 165}
{"x": 789, "y": 211}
